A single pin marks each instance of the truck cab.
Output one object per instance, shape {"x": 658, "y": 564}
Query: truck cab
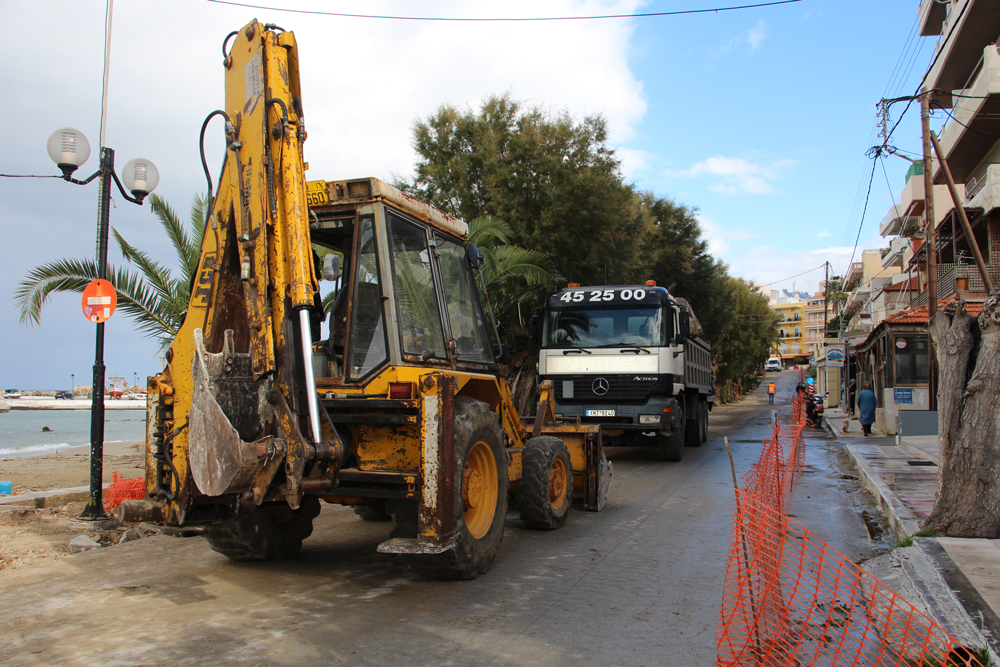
{"x": 628, "y": 358}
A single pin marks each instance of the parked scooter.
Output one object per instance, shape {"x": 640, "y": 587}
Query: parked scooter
{"x": 814, "y": 409}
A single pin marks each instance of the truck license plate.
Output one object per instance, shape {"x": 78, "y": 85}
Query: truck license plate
{"x": 600, "y": 413}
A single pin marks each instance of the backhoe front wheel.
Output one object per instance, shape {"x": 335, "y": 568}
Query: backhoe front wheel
{"x": 545, "y": 491}
{"x": 270, "y": 532}
{"x": 480, "y": 496}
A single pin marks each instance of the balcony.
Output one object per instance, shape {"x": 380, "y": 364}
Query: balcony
{"x": 954, "y": 278}
{"x": 933, "y": 14}
{"x": 976, "y": 117}
{"x": 984, "y": 192}
{"x": 971, "y": 26}
{"x": 893, "y": 255}
{"x": 854, "y": 275}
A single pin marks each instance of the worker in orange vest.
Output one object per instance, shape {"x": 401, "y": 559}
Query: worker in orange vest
{"x": 770, "y": 393}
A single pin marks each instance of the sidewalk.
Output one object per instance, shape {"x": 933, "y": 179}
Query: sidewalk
{"x": 964, "y": 574}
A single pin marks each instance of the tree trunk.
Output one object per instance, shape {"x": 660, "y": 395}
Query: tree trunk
{"x": 968, "y": 498}
{"x": 522, "y": 389}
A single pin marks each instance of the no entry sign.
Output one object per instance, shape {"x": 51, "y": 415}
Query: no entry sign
{"x": 99, "y": 301}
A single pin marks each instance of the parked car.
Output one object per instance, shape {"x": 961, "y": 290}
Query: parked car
{"x": 12, "y": 393}
{"x": 64, "y": 394}
{"x": 773, "y": 364}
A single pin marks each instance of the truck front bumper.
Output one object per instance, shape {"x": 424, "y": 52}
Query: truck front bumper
{"x": 625, "y": 417}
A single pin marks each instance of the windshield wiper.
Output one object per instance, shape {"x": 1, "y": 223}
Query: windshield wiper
{"x": 576, "y": 350}
{"x": 626, "y": 347}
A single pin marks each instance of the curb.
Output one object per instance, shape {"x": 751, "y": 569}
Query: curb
{"x": 914, "y": 574}
{"x": 903, "y": 522}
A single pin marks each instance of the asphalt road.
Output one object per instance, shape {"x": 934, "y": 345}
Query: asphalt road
{"x": 637, "y": 584}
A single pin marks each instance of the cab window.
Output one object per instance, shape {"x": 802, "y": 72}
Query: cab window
{"x": 367, "y": 341}
{"x": 468, "y": 329}
{"x": 420, "y": 326}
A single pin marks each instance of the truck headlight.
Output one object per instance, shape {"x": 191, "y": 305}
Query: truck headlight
{"x": 649, "y": 419}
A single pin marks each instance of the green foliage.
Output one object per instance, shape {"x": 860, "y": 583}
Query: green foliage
{"x": 514, "y": 276}
{"x": 554, "y": 181}
{"x": 151, "y": 296}
{"x": 905, "y": 542}
{"x": 747, "y": 329}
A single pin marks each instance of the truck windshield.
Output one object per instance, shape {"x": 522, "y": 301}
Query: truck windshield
{"x": 605, "y": 327}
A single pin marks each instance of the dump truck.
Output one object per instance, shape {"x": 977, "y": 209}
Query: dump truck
{"x": 386, "y": 394}
{"x": 630, "y": 358}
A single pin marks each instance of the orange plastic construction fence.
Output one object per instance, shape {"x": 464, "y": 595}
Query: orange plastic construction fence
{"x": 123, "y": 489}
{"x": 791, "y": 599}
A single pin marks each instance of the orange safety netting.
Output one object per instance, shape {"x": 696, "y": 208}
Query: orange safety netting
{"x": 791, "y": 599}
{"x": 123, "y": 489}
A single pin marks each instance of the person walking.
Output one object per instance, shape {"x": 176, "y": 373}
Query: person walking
{"x": 852, "y": 391}
{"x": 770, "y": 393}
{"x": 867, "y": 402}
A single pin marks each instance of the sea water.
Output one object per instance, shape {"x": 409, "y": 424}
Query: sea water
{"x": 21, "y": 431}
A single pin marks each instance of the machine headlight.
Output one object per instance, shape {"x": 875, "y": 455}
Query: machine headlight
{"x": 649, "y": 419}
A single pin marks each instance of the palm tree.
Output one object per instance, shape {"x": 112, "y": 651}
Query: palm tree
{"x": 150, "y": 295}
{"x": 512, "y": 274}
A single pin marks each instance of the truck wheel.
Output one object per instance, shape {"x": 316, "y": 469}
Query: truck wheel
{"x": 704, "y": 421}
{"x": 271, "y": 532}
{"x": 545, "y": 491}
{"x": 671, "y": 445}
{"x": 372, "y": 512}
{"x": 480, "y": 496}
{"x": 692, "y": 428}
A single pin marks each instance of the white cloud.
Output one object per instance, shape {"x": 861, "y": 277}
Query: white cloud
{"x": 738, "y": 175}
{"x": 634, "y": 160}
{"x": 756, "y": 35}
{"x": 824, "y": 233}
{"x": 720, "y": 239}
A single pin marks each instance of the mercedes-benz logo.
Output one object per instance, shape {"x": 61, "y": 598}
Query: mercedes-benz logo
{"x": 600, "y": 386}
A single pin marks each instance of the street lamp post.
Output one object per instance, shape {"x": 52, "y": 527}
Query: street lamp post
{"x": 69, "y": 149}
{"x": 72, "y": 382}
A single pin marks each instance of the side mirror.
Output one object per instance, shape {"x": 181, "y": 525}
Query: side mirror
{"x": 475, "y": 256}
{"x": 535, "y": 330}
{"x": 685, "y": 324}
{"x": 500, "y": 353}
{"x": 331, "y": 266}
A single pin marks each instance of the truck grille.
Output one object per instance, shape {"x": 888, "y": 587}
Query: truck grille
{"x": 621, "y": 389}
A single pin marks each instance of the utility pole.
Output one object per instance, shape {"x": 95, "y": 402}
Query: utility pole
{"x": 930, "y": 234}
{"x": 826, "y": 298}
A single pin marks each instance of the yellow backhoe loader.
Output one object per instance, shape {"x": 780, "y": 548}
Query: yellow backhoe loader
{"x": 388, "y": 396}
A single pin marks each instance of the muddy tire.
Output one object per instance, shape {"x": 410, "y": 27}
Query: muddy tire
{"x": 545, "y": 492}
{"x": 372, "y": 512}
{"x": 481, "y": 485}
{"x": 271, "y": 532}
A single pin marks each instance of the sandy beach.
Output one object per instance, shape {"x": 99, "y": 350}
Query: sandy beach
{"x": 71, "y": 467}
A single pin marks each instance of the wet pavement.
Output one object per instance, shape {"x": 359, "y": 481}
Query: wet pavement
{"x": 637, "y": 584}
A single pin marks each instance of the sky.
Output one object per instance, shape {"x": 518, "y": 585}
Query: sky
{"x": 759, "y": 118}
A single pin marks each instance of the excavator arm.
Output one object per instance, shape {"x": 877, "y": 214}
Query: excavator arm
{"x": 238, "y": 396}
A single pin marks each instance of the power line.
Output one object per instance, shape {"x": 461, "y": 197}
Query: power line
{"x": 861, "y": 226}
{"x": 799, "y": 274}
{"x": 714, "y": 10}
{"x": 26, "y": 176}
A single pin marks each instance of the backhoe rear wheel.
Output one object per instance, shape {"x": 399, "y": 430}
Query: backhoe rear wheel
{"x": 480, "y": 496}
{"x": 545, "y": 491}
{"x": 271, "y": 532}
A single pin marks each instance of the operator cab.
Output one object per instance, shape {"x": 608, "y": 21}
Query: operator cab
{"x": 403, "y": 285}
